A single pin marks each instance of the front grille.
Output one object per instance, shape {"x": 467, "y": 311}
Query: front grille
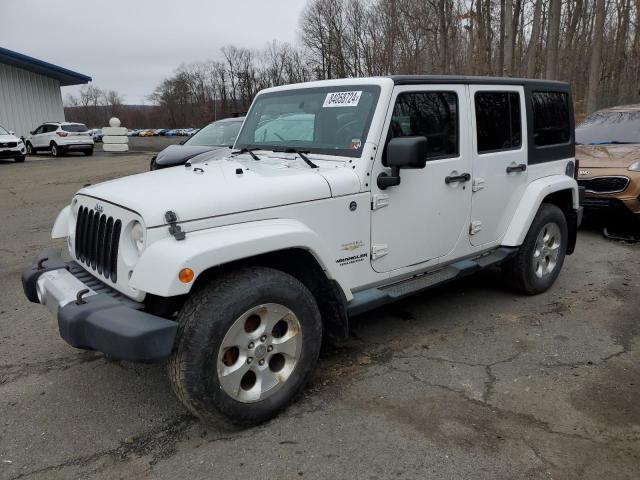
{"x": 604, "y": 184}
{"x": 97, "y": 239}
{"x": 8, "y": 144}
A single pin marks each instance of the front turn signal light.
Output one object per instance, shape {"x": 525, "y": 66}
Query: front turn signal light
{"x": 186, "y": 275}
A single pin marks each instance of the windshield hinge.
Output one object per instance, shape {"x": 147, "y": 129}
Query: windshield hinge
{"x": 174, "y": 228}
{"x": 379, "y": 200}
{"x": 477, "y": 184}
{"x": 378, "y": 251}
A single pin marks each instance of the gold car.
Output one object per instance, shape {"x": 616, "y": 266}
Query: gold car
{"x": 608, "y": 152}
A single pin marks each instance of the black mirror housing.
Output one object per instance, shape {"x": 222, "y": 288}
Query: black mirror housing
{"x": 403, "y": 152}
{"x": 407, "y": 152}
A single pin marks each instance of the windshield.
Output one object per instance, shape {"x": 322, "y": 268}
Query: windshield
{"x": 609, "y": 127}
{"x": 329, "y": 120}
{"x": 76, "y": 127}
{"x": 3, "y": 131}
{"x": 216, "y": 134}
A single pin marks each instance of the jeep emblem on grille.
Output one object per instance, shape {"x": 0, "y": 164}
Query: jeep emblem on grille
{"x": 99, "y": 208}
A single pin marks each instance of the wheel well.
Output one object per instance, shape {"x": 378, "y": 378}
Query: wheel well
{"x": 52, "y": 143}
{"x": 563, "y": 199}
{"x": 302, "y": 265}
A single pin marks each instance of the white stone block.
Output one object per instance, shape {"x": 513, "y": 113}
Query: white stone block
{"x": 115, "y": 147}
{"x": 114, "y": 131}
{"x": 115, "y": 139}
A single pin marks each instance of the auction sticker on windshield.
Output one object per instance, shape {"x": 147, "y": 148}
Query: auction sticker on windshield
{"x": 342, "y": 99}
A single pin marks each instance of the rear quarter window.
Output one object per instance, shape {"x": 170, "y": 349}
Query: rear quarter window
{"x": 551, "y": 118}
{"x": 75, "y": 128}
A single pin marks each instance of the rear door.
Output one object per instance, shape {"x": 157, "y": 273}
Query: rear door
{"x": 499, "y": 159}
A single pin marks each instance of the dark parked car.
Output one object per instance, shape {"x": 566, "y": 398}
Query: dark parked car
{"x": 216, "y": 137}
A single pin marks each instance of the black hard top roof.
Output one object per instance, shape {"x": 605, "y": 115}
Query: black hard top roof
{"x": 427, "y": 79}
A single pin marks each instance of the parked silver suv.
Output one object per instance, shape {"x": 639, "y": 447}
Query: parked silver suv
{"x": 60, "y": 138}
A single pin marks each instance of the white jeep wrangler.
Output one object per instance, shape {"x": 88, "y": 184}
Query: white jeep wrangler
{"x": 341, "y": 196}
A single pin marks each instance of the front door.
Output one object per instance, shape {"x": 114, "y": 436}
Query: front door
{"x": 499, "y": 159}
{"x": 36, "y": 138}
{"x": 423, "y": 218}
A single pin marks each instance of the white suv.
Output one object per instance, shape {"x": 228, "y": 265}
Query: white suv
{"x": 11, "y": 146}
{"x": 60, "y": 138}
{"x": 341, "y": 196}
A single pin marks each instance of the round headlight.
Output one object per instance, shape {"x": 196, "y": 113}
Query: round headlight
{"x": 137, "y": 236}
{"x": 634, "y": 167}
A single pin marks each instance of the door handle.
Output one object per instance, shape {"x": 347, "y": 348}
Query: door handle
{"x": 463, "y": 177}
{"x": 516, "y": 168}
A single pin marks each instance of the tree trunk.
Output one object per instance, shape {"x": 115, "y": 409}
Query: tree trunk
{"x": 508, "y": 37}
{"x": 552, "y": 43}
{"x": 596, "y": 58}
{"x": 532, "y": 54}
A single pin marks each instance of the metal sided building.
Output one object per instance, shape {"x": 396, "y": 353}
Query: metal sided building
{"x": 30, "y": 91}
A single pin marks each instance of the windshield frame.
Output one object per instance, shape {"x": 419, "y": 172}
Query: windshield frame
{"x": 374, "y": 89}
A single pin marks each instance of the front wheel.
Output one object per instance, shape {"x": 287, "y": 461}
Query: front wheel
{"x": 88, "y": 153}
{"x": 20, "y": 159}
{"x": 539, "y": 261}
{"x": 247, "y": 343}
{"x": 30, "y": 149}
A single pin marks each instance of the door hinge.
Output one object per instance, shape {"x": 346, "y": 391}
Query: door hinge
{"x": 475, "y": 227}
{"x": 379, "y": 250}
{"x": 477, "y": 185}
{"x": 379, "y": 200}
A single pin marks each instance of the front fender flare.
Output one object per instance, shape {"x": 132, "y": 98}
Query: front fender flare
{"x": 61, "y": 225}
{"x": 156, "y": 271}
{"x": 530, "y": 202}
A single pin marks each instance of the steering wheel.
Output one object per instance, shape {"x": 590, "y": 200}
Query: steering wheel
{"x": 343, "y": 129}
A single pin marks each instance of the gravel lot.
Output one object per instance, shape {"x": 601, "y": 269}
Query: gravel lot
{"x": 467, "y": 381}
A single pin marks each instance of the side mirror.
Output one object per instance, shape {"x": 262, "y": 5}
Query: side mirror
{"x": 32, "y": 132}
{"x": 11, "y": 132}
{"x": 403, "y": 152}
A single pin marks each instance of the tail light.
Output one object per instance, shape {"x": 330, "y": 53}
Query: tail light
{"x": 62, "y": 134}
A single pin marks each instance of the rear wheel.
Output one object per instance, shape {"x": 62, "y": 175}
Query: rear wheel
{"x": 540, "y": 258}
{"x": 20, "y": 159}
{"x": 55, "y": 150}
{"x": 246, "y": 345}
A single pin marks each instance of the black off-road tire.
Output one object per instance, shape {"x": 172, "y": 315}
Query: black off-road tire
{"x": 88, "y": 153}
{"x": 20, "y": 159}
{"x": 204, "y": 321}
{"x": 519, "y": 272}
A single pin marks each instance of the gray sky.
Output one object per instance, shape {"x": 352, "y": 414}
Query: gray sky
{"x": 131, "y": 45}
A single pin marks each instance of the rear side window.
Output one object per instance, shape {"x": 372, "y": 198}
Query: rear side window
{"x": 49, "y": 128}
{"x": 551, "y": 123}
{"x": 75, "y": 128}
{"x": 433, "y": 115}
{"x": 498, "y": 122}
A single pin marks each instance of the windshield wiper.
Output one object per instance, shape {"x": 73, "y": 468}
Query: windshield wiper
{"x": 247, "y": 150}
{"x": 301, "y": 154}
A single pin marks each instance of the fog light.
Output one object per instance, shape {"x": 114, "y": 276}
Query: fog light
{"x": 186, "y": 275}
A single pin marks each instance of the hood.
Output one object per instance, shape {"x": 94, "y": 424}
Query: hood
{"x": 208, "y": 190}
{"x": 8, "y": 138}
{"x": 608, "y": 156}
{"x": 178, "y": 154}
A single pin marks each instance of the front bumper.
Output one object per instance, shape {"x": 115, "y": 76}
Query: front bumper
{"x": 91, "y": 316}
{"x": 16, "y": 152}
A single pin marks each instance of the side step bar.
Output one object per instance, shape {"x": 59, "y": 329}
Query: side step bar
{"x": 371, "y": 298}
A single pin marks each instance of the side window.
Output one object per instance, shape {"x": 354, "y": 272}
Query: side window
{"x": 51, "y": 128}
{"x": 551, "y": 125}
{"x": 433, "y": 115}
{"x": 39, "y": 130}
{"x": 498, "y": 122}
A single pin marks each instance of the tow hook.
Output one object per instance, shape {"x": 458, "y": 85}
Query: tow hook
{"x": 174, "y": 228}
